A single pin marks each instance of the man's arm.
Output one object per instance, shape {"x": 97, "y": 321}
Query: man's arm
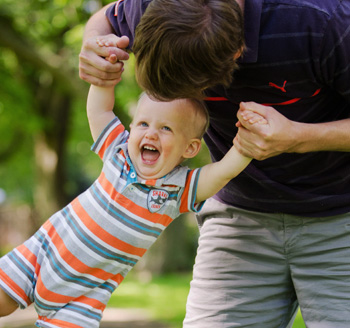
{"x": 282, "y": 135}
{"x": 99, "y": 108}
{"x": 93, "y": 66}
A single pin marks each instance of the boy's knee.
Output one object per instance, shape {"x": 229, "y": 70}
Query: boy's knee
{"x": 7, "y": 304}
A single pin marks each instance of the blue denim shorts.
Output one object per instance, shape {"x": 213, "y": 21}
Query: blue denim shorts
{"x": 254, "y": 270}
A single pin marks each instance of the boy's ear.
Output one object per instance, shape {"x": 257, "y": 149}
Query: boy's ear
{"x": 193, "y": 148}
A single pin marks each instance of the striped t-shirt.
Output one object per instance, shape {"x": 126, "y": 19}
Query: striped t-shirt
{"x": 71, "y": 266}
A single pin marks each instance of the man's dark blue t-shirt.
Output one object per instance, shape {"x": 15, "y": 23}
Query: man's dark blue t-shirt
{"x": 297, "y": 61}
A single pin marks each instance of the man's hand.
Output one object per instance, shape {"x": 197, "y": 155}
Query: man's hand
{"x": 261, "y": 141}
{"x": 100, "y": 65}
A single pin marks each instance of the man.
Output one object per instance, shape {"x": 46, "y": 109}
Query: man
{"x": 278, "y": 234}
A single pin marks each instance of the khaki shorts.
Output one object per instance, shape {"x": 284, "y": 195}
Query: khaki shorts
{"x": 254, "y": 269}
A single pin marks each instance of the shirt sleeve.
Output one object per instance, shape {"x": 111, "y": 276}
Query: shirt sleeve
{"x": 188, "y": 197}
{"x": 125, "y": 15}
{"x": 335, "y": 52}
{"x": 114, "y": 134}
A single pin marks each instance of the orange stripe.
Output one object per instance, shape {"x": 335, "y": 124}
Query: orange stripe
{"x": 103, "y": 234}
{"x": 73, "y": 261}
{"x": 30, "y": 257}
{"x": 151, "y": 182}
{"x": 184, "y": 198}
{"x": 118, "y": 278}
{"x": 125, "y": 202}
{"x": 96, "y": 304}
{"x": 51, "y": 296}
{"x": 111, "y": 137}
{"x": 59, "y": 323}
{"x": 15, "y": 288}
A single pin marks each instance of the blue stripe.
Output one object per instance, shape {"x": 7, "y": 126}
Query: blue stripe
{"x": 44, "y": 242}
{"x": 90, "y": 314}
{"x": 118, "y": 164}
{"x": 21, "y": 265}
{"x": 172, "y": 194}
{"x": 94, "y": 245}
{"x": 122, "y": 217}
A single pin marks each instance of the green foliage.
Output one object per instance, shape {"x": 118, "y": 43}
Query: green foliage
{"x": 51, "y": 32}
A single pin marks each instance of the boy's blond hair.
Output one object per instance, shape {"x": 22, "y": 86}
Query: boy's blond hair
{"x": 198, "y": 114}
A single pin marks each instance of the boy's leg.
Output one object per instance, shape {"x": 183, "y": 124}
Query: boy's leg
{"x": 7, "y": 304}
{"x": 241, "y": 276}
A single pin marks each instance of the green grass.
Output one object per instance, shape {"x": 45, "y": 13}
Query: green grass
{"x": 164, "y": 297}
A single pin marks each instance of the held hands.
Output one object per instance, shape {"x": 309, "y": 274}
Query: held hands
{"x": 100, "y": 59}
{"x": 276, "y": 135}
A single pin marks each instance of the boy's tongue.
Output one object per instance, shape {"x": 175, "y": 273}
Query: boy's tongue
{"x": 150, "y": 155}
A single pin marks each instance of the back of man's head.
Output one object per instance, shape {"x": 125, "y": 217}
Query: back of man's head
{"x": 185, "y": 46}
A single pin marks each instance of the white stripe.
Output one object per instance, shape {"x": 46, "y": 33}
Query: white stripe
{"x": 18, "y": 276}
{"x": 97, "y": 240}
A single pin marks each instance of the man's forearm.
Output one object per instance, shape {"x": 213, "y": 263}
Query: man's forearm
{"x": 98, "y": 24}
{"x": 281, "y": 135}
{"x": 330, "y": 136}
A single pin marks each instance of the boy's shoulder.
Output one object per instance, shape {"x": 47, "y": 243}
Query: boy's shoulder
{"x": 179, "y": 176}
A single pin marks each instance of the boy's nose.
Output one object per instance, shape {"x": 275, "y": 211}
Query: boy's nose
{"x": 152, "y": 134}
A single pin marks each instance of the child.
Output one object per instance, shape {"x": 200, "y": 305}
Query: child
{"x": 71, "y": 266}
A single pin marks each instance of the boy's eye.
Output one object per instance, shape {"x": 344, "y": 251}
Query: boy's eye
{"x": 143, "y": 124}
{"x": 166, "y": 128}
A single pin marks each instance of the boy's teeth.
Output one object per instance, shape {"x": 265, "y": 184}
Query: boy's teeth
{"x": 149, "y": 148}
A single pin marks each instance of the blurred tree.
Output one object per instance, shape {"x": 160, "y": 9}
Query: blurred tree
{"x": 38, "y": 59}
{"x": 45, "y": 157}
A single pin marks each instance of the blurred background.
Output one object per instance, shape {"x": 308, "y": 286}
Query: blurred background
{"x": 45, "y": 157}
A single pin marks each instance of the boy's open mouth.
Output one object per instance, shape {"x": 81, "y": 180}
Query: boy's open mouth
{"x": 149, "y": 154}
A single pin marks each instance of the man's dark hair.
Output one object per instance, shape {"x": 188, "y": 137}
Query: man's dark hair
{"x": 185, "y": 46}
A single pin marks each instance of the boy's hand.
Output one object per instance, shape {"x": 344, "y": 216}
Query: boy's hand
{"x": 100, "y": 65}
{"x": 274, "y": 136}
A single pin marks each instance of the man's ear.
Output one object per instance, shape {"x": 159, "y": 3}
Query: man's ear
{"x": 238, "y": 53}
{"x": 193, "y": 148}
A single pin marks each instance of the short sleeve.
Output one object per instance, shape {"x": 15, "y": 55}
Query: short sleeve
{"x": 114, "y": 134}
{"x": 125, "y": 15}
{"x": 188, "y": 196}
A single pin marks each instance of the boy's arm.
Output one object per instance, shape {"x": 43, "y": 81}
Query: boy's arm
{"x": 215, "y": 176}
{"x": 100, "y": 103}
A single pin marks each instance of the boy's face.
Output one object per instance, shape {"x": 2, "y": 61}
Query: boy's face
{"x": 160, "y": 137}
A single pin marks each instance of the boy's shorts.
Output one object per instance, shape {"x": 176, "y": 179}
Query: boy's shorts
{"x": 22, "y": 272}
{"x": 253, "y": 269}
